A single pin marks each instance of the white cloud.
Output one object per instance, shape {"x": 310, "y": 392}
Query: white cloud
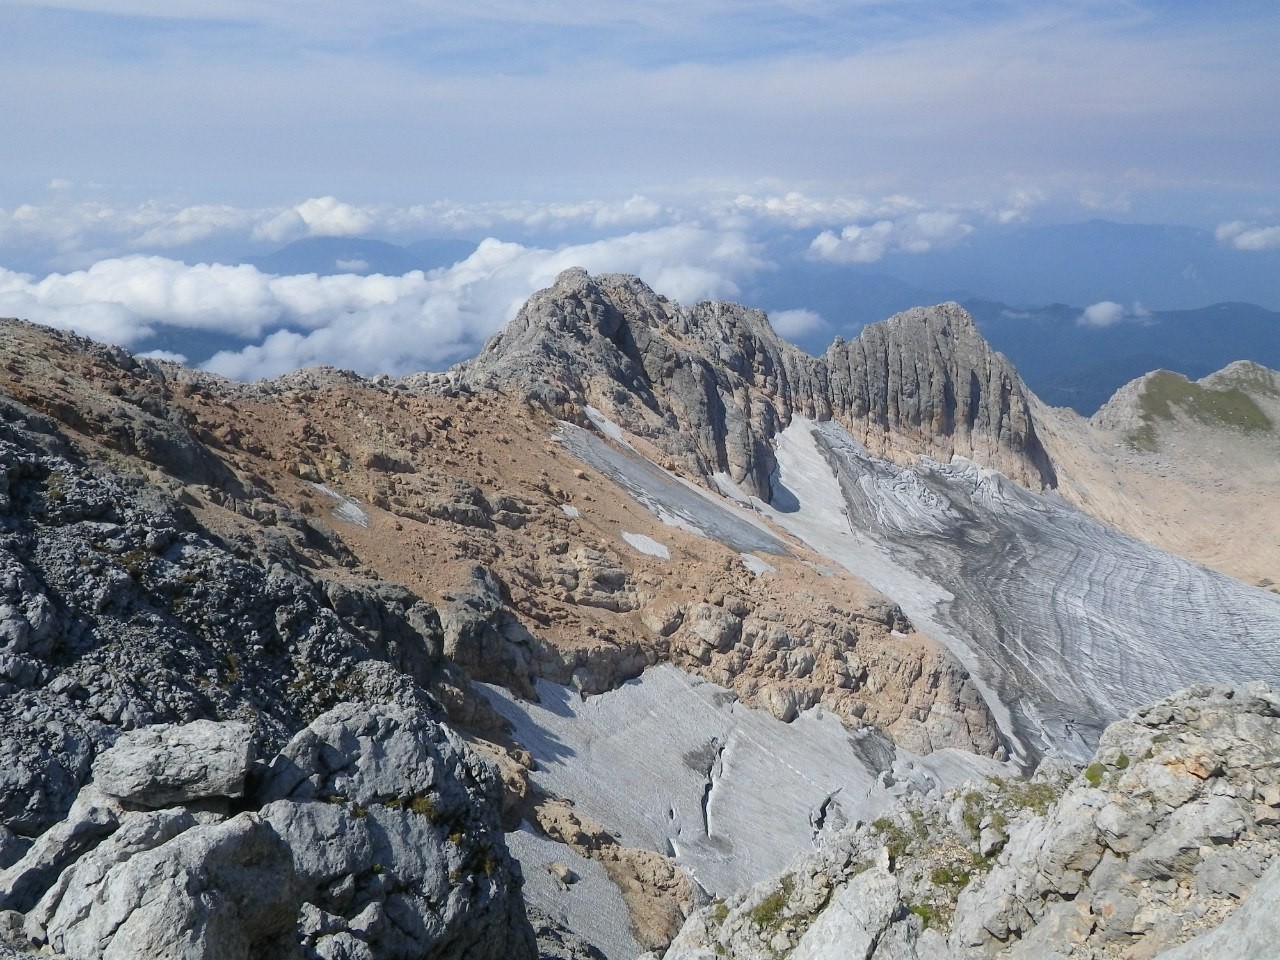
{"x": 317, "y": 217}
{"x": 58, "y": 183}
{"x": 372, "y": 324}
{"x": 1121, "y": 202}
{"x": 1107, "y": 313}
{"x": 162, "y": 229}
{"x": 853, "y": 244}
{"x": 913, "y": 233}
{"x": 1018, "y": 205}
{"x": 164, "y": 355}
{"x": 1248, "y": 236}
{"x": 794, "y": 324}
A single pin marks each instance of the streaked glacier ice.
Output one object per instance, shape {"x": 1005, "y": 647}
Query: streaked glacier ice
{"x": 1066, "y": 622}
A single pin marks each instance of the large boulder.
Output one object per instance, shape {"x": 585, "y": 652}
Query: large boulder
{"x": 375, "y": 833}
{"x": 221, "y": 891}
{"x": 168, "y": 763}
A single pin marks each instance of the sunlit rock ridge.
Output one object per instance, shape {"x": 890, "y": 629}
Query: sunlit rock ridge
{"x": 922, "y": 382}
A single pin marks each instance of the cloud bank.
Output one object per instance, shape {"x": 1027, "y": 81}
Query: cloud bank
{"x": 914, "y": 233}
{"x": 373, "y": 324}
{"x": 1107, "y": 313}
{"x": 1247, "y": 236}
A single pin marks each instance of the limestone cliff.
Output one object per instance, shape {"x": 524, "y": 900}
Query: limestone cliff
{"x": 714, "y": 383}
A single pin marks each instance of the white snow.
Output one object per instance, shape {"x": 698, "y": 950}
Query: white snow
{"x": 572, "y": 512}
{"x": 672, "y": 499}
{"x": 756, "y": 565}
{"x": 606, "y": 426}
{"x": 347, "y": 508}
{"x": 647, "y": 545}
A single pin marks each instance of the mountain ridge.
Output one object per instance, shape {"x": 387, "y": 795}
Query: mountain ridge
{"x": 923, "y": 382}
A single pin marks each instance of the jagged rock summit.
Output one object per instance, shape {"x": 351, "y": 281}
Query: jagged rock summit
{"x": 724, "y": 384}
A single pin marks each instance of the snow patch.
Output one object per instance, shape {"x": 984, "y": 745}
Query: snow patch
{"x": 347, "y": 508}
{"x": 756, "y": 565}
{"x": 572, "y": 512}
{"x": 672, "y": 499}
{"x": 647, "y": 545}
{"x": 606, "y": 426}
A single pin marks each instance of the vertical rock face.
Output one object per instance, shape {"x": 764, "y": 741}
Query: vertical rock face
{"x": 927, "y": 379}
{"x": 717, "y": 384}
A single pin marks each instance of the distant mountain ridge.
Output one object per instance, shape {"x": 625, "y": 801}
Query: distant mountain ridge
{"x": 1072, "y": 364}
{"x": 337, "y": 255}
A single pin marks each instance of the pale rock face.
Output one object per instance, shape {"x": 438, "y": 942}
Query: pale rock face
{"x": 166, "y": 764}
{"x": 214, "y": 891}
{"x": 922, "y": 382}
{"x": 855, "y": 920}
{"x": 1252, "y": 931}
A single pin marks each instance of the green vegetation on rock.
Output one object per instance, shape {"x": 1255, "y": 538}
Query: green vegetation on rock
{"x": 1163, "y": 392}
{"x": 768, "y": 913}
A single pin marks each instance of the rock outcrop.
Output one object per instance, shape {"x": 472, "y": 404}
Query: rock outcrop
{"x": 715, "y": 383}
{"x": 118, "y": 609}
{"x": 374, "y": 833}
{"x": 1158, "y": 840}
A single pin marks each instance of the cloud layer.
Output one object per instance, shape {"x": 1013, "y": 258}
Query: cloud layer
{"x": 69, "y": 229}
{"x": 1247, "y": 236}
{"x": 373, "y": 324}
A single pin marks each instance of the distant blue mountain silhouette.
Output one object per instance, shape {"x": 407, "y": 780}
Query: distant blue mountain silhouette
{"x": 327, "y": 256}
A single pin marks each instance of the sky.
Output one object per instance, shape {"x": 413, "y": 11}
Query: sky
{"x": 146, "y": 141}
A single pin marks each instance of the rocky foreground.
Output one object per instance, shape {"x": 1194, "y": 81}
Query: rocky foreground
{"x": 1148, "y": 851}
{"x": 375, "y": 833}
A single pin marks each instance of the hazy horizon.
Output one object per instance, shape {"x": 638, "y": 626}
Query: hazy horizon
{"x": 709, "y": 149}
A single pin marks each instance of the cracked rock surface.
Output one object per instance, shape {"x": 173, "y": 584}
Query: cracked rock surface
{"x": 374, "y": 833}
{"x": 1147, "y": 851}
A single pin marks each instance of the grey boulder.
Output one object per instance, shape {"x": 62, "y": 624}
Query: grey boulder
{"x": 166, "y": 764}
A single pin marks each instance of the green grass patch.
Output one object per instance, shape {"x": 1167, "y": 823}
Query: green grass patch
{"x": 895, "y": 838}
{"x": 719, "y": 912}
{"x": 1230, "y": 407}
{"x": 928, "y": 915}
{"x": 1093, "y": 774}
{"x": 975, "y": 806}
{"x": 768, "y": 913}
{"x": 950, "y": 876}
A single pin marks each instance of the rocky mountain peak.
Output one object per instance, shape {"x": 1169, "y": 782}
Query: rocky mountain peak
{"x": 712, "y": 384}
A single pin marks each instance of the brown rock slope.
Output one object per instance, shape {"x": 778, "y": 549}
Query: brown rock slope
{"x": 461, "y": 498}
{"x": 1191, "y": 466}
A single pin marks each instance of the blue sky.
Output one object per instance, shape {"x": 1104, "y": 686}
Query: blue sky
{"x": 201, "y": 129}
